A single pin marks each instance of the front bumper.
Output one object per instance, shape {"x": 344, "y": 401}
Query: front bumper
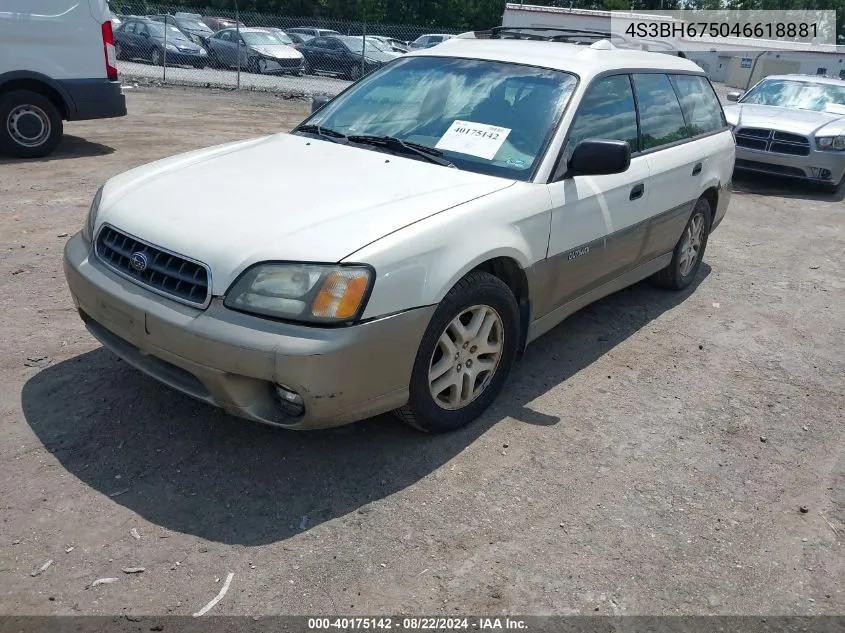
{"x": 234, "y": 360}
{"x": 792, "y": 166}
{"x": 186, "y": 59}
{"x": 280, "y": 66}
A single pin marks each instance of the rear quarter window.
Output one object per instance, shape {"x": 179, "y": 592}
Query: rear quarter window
{"x": 699, "y": 104}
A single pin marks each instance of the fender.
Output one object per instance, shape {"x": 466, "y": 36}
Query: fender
{"x": 14, "y": 75}
{"x": 416, "y": 266}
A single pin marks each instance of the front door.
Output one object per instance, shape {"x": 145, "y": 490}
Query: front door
{"x": 598, "y": 222}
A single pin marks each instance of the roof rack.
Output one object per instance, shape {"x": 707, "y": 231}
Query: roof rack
{"x": 546, "y": 33}
{"x": 571, "y": 36}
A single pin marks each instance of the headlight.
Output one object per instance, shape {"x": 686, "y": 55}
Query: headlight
{"x": 834, "y": 143}
{"x": 172, "y": 48}
{"x": 91, "y": 219}
{"x": 311, "y": 293}
{"x": 202, "y": 51}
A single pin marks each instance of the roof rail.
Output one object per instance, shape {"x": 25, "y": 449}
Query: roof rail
{"x": 544, "y": 33}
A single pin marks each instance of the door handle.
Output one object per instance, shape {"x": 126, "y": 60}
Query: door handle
{"x": 697, "y": 169}
{"x": 637, "y": 191}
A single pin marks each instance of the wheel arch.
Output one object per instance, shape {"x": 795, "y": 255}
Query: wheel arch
{"x": 41, "y": 84}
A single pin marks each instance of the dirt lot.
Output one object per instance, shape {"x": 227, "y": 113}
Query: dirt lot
{"x": 649, "y": 456}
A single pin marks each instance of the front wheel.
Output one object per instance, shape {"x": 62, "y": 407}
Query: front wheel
{"x": 465, "y": 355}
{"x": 30, "y": 124}
{"x": 354, "y": 72}
{"x": 156, "y": 57}
{"x": 689, "y": 251}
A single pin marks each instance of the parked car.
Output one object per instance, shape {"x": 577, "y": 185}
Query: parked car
{"x": 311, "y": 31}
{"x": 255, "y": 50}
{"x": 479, "y": 195}
{"x": 298, "y": 38}
{"x": 157, "y": 42}
{"x": 342, "y": 55}
{"x": 216, "y": 24}
{"x": 791, "y": 126}
{"x": 429, "y": 40}
{"x": 54, "y": 68}
{"x": 389, "y": 44}
{"x": 194, "y": 29}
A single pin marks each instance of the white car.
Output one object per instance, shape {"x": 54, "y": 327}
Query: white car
{"x": 470, "y": 198}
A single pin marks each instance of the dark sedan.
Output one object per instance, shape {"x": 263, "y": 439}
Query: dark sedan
{"x": 142, "y": 38}
{"x": 191, "y": 27}
{"x": 342, "y": 55}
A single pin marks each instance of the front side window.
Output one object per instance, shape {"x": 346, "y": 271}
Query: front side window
{"x": 661, "y": 120}
{"x": 792, "y": 93}
{"x": 699, "y": 104}
{"x": 607, "y": 111}
{"x": 489, "y": 117}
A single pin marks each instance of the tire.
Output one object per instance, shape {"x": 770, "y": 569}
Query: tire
{"x": 252, "y": 66}
{"x": 156, "y": 58}
{"x": 212, "y": 59}
{"x": 30, "y": 124}
{"x": 354, "y": 72}
{"x": 308, "y": 69}
{"x": 679, "y": 273}
{"x": 478, "y": 296}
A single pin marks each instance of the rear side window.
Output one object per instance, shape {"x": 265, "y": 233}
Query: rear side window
{"x": 607, "y": 111}
{"x": 661, "y": 120}
{"x": 699, "y": 104}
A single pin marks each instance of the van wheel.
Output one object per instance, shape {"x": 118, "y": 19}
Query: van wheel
{"x": 30, "y": 125}
{"x": 689, "y": 251}
{"x": 465, "y": 355}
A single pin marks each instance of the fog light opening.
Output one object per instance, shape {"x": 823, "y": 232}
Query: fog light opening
{"x": 820, "y": 173}
{"x": 290, "y": 401}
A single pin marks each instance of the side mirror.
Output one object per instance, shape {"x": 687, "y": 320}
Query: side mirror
{"x": 318, "y": 101}
{"x": 734, "y": 95}
{"x": 596, "y": 157}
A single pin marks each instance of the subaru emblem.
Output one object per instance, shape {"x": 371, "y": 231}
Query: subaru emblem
{"x": 138, "y": 261}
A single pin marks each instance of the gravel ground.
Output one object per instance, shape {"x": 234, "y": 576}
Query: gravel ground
{"x": 210, "y": 77}
{"x": 658, "y": 453}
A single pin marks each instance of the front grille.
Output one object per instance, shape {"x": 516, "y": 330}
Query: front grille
{"x": 773, "y": 141}
{"x": 161, "y": 271}
{"x": 289, "y": 63}
{"x": 770, "y": 168}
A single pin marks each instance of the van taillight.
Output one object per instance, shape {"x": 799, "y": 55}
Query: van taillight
{"x": 108, "y": 47}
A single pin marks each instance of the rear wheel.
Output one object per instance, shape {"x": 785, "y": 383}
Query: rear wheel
{"x": 689, "y": 251}
{"x": 30, "y": 124}
{"x": 465, "y": 355}
{"x": 155, "y": 57}
{"x": 354, "y": 72}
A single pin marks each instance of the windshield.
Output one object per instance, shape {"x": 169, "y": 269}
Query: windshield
{"x": 157, "y": 30}
{"x": 355, "y": 44}
{"x": 489, "y": 117}
{"x": 193, "y": 25}
{"x": 259, "y": 39}
{"x": 789, "y": 93}
{"x": 282, "y": 37}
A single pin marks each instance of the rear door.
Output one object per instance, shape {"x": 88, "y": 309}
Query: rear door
{"x": 317, "y": 53}
{"x": 675, "y": 163}
{"x": 598, "y": 222}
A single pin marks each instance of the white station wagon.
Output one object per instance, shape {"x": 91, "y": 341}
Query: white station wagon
{"x": 399, "y": 249}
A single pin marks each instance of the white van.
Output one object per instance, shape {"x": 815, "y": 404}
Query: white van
{"x": 57, "y": 63}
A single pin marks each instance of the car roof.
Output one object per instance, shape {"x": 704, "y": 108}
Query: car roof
{"x": 582, "y": 60}
{"x": 821, "y": 79}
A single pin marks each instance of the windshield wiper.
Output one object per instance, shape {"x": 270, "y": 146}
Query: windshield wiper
{"x": 327, "y": 132}
{"x": 398, "y": 145}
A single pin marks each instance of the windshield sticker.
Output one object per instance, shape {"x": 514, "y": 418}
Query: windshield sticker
{"x": 475, "y": 139}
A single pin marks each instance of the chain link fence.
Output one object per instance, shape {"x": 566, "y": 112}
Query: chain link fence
{"x": 255, "y": 51}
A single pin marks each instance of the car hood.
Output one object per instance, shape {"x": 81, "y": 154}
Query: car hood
{"x": 283, "y": 197}
{"x": 805, "y": 122}
{"x": 279, "y": 51}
